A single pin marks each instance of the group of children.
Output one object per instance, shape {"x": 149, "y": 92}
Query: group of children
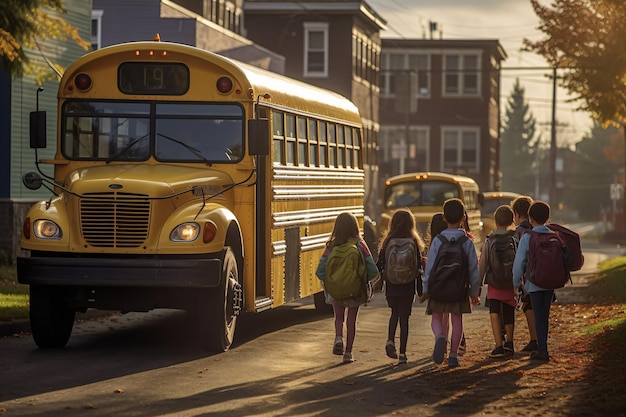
{"x": 502, "y": 300}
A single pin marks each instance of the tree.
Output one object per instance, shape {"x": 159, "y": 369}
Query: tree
{"x": 24, "y": 24}
{"x": 518, "y": 150}
{"x": 598, "y": 157}
{"x": 586, "y": 38}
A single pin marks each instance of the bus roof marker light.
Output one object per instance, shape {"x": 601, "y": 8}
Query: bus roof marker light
{"x": 137, "y": 53}
{"x": 83, "y": 82}
{"x": 157, "y": 37}
{"x": 224, "y": 85}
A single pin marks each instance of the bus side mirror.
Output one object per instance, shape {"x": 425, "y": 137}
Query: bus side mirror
{"x": 37, "y": 129}
{"x": 259, "y": 137}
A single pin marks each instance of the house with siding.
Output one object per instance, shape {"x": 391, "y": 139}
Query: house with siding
{"x": 18, "y": 97}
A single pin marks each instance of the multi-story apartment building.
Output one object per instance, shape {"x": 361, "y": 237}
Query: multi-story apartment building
{"x": 440, "y": 108}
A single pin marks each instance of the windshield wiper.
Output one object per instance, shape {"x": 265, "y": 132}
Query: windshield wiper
{"x": 126, "y": 148}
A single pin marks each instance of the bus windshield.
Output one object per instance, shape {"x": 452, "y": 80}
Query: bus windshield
{"x": 167, "y": 131}
{"x": 419, "y": 193}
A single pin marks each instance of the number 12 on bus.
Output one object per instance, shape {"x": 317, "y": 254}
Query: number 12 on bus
{"x": 185, "y": 180}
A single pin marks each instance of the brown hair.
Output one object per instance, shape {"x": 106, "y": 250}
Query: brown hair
{"x": 402, "y": 224}
{"x": 453, "y": 210}
{"x": 521, "y": 204}
{"x": 539, "y": 211}
{"x": 437, "y": 225}
{"x": 346, "y": 228}
{"x": 503, "y": 215}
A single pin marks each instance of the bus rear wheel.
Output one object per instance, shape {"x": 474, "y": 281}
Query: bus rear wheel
{"x": 51, "y": 316}
{"x": 225, "y": 303}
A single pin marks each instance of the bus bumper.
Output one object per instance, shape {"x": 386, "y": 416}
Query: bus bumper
{"x": 120, "y": 272}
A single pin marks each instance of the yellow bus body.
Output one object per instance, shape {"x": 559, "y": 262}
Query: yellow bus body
{"x": 494, "y": 199}
{"x": 122, "y": 195}
{"x": 424, "y": 194}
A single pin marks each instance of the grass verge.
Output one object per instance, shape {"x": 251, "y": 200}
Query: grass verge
{"x": 13, "y": 296}
{"x": 608, "y": 371}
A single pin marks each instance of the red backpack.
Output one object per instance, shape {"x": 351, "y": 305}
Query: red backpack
{"x": 572, "y": 241}
{"x": 547, "y": 260}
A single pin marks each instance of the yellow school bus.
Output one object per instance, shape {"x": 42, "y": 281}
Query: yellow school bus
{"x": 493, "y": 200}
{"x": 424, "y": 194}
{"x": 186, "y": 180}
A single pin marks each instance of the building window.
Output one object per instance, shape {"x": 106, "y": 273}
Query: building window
{"x": 96, "y": 29}
{"x": 459, "y": 150}
{"x": 396, "y": 66}
{"x": 461, "y": 74}
{"x": 316, "y": 49}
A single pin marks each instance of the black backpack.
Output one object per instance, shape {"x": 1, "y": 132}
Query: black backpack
{"x": 449, "y": 276}
{"x": 501, "y": 249}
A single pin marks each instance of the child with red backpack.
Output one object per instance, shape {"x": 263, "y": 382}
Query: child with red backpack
{"x": 346, "y": 232}
{"x": 450, "y": 280}
{"x": 496, "y": 269}
{"x": 400, "y": 265}
{"x": 529, "y": 256}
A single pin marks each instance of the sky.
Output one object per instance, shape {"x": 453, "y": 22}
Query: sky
{"x": 508, "y": 21}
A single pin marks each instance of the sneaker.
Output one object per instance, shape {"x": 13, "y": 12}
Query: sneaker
{"x": 453, "y": 362}
{"x": 530, "y": 347}
{"x": 462, "y": 347}
{"x": 540, "y": 356}
{"x": 338, "y": 346}
{"x": 402, "y": 359}
{"x": 347, "y": 357}
{"x": 390, "y": 348}
{"x": 508, "y": 348}
{"x": 439, "y": 350}
{"x": 497, "y": 352}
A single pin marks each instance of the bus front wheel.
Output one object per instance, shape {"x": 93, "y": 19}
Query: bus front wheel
{"x": 51, "y": 316}
{"x": 225, "y": 303}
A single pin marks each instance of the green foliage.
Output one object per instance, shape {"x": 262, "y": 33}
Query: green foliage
{"x": 587, "y": 38}
{"x": 517, "y": 152}
{"x": 599, "y": 156}
{"x": 13, "y": 296}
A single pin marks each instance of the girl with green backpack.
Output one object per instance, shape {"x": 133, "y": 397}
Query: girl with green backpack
{"x": 346, "y": 268}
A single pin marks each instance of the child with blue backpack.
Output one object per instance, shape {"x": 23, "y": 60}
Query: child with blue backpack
{"x": 400, "y": 263}
{"x": 450, "y": 298}
{"x": 346, "y": 231}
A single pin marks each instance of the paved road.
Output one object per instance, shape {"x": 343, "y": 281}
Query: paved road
{"x": 280, "y": 365}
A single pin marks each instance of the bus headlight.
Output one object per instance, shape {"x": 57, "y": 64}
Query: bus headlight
{"x": 46, "y": 229}
{"x": 186, "y": 232}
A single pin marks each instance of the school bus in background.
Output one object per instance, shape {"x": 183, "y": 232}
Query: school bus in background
{"x": 493, "y": 200}
{"x": 424, "y": 194}
{"x": 185, "y": 180}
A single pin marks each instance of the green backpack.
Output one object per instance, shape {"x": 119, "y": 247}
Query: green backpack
{"x": 346, "y": 273}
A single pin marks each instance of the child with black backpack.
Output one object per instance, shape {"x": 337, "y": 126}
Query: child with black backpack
{"x": 337, "y": 263}
{"x": 450, "y": 280}
{"x": 520, "y": 206}
{"x": 552, "y": 264}
{"x": 496, "y": 269}
{"x": 400, "y": 264}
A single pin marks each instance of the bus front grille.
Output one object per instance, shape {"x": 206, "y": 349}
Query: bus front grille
{"x": 115, "y": 220}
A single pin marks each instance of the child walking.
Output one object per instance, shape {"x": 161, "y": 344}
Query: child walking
{"x": 346, "y": 230}
{"x": 520, "y": 206}
{"x": 540, "y": 298}
{"x": 453, "y": 213}
{"x": 500, "y": 290}
{"x": 400, "y": 295}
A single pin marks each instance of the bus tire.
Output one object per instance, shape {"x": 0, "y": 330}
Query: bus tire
{"x": 319, "y": 300}
{"x": 224, "y": 306}
{"x": 51, "y": 317}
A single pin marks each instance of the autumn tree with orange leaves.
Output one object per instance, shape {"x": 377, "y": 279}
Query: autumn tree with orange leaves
{"x": 586, "y": 39}
{"x": 25, "y": 24}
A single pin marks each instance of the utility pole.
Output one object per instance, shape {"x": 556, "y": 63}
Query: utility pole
{"x": 553, "y": 196}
